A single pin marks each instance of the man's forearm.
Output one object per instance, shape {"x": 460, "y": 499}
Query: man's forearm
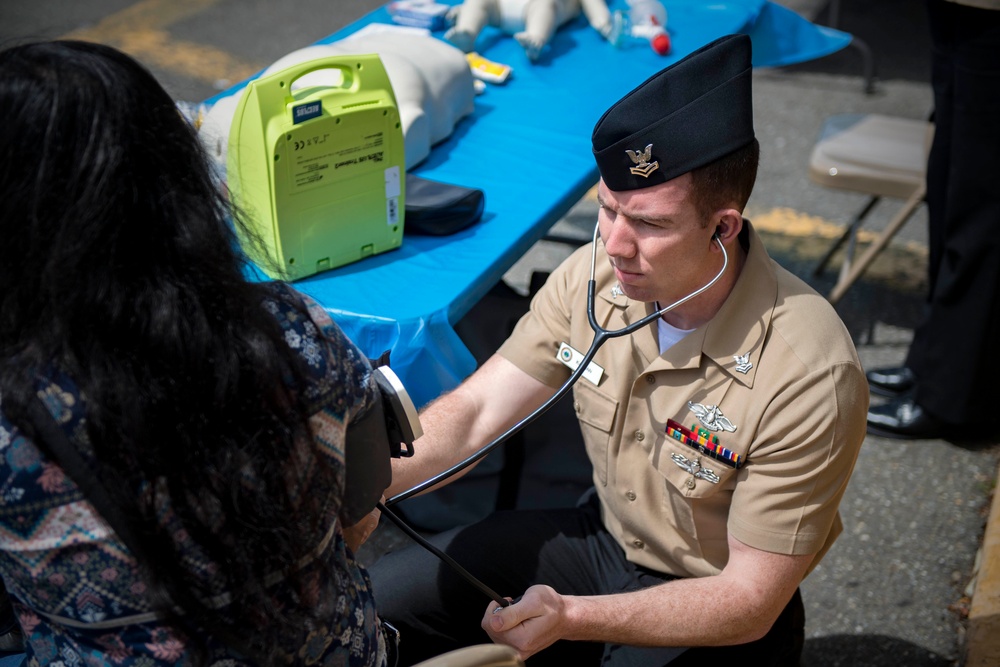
{"x": 685, "y": 612}
{"x": 463, "y": 421}
{"x": 446, "y": 441}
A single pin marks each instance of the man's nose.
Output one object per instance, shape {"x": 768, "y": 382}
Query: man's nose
{"x": 619, "y": 241}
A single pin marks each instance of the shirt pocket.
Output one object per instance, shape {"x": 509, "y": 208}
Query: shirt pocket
{"x": 697, "y": 492}
{"x": 596, "y": 412}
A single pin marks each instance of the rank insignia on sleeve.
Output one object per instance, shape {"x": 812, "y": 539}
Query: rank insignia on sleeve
{"x": 703, "y": 441}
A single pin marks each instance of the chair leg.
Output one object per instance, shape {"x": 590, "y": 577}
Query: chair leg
{"x": 851, "y": 232}
{"x": 866, "y": 52}
{"x": 852, "y": 244}
{"x": 869, "y": 64}
{"x": 878, "y": 245}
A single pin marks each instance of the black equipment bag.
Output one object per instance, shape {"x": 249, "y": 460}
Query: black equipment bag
{"x": 439, "y": 209}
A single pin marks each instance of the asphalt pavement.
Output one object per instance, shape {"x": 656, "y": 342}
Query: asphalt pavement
{"x": 896, "y": 587}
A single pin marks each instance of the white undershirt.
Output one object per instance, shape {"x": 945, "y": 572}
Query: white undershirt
{"x": 669, "y": 335}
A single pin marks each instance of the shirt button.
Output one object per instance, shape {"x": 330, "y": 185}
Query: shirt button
{"x": 639, "y": 435}
{"x": 650, "y": 379}
{"x": 576, "y": 405}
{"x": 630, "y": 495}
{"x": 638, "y": 544}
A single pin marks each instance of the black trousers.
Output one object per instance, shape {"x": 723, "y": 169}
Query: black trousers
{"x": 437, "y": 611}
{"x": 954, "y": 352}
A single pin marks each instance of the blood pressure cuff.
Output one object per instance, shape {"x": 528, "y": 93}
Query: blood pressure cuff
{"x": 366, "y": 455}
{"x": 386, "y": 430}
{"x": 439, "y": 209}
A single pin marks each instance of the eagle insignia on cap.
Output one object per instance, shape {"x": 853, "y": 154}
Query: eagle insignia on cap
{"x": 644, "y": 167}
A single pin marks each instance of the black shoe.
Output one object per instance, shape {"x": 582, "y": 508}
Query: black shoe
{"x": 891, "y": 382}
{"x": 902, "y": 418}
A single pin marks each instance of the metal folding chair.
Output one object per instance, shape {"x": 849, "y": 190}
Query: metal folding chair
{"x": 882, "y": 156}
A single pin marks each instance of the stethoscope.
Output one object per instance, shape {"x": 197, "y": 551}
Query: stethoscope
{"x": 600, "y": 336}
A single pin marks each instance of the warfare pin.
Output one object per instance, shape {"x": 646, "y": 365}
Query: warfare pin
{"x": 711, "y": 417}
{"x": 695, "y": 468}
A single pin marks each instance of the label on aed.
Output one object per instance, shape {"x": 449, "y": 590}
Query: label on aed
{"x": 572, "y": 358}
{"x": 392, "y": 188}
{"x": 318, "y": 155}
{"x": 308, "y": 111}
{"x": 392, "y": 192}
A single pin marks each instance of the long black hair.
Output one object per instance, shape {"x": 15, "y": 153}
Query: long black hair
{"x": 120, "y": 266}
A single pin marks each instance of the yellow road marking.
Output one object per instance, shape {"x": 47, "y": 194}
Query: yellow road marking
{"x": 197, "y": 61}
{"x": 790, "y": 222}
{"x": 150, "y": 14}
{"x": 139, "y": 30}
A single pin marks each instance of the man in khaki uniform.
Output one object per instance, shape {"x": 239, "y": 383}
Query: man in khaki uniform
{"x": 722, "y": 435}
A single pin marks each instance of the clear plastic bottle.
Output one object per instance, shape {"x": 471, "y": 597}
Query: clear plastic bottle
{"x": 645, "y": 20}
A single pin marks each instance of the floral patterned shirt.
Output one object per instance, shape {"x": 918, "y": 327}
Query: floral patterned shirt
{"x": 77, "y": 591}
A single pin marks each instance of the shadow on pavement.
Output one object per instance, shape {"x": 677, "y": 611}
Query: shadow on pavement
{"x": 868, "y": 651}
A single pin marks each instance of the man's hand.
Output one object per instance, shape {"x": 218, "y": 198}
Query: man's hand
{"x": 356, "y": 535}
{"x": 739, "y": 605}
{"x": 528, "y": 626}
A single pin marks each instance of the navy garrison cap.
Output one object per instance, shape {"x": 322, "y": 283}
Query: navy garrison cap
{"x": 686, "y": 116}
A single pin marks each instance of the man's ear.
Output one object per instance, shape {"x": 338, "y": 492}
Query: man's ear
{"x": 728, "y": 224}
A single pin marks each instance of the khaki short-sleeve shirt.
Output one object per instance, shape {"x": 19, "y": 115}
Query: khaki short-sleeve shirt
{"x": 773, "y": 381}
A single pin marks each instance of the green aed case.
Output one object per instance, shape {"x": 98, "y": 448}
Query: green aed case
{"x": 319, "y": 169}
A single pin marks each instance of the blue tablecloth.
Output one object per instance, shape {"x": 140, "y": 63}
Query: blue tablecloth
{"x": 527, "y": 146}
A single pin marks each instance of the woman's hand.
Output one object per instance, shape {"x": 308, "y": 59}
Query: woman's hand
{"x": 356, "y": 535}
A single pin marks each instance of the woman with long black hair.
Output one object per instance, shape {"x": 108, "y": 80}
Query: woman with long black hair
{"x": 213, "y": 408}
